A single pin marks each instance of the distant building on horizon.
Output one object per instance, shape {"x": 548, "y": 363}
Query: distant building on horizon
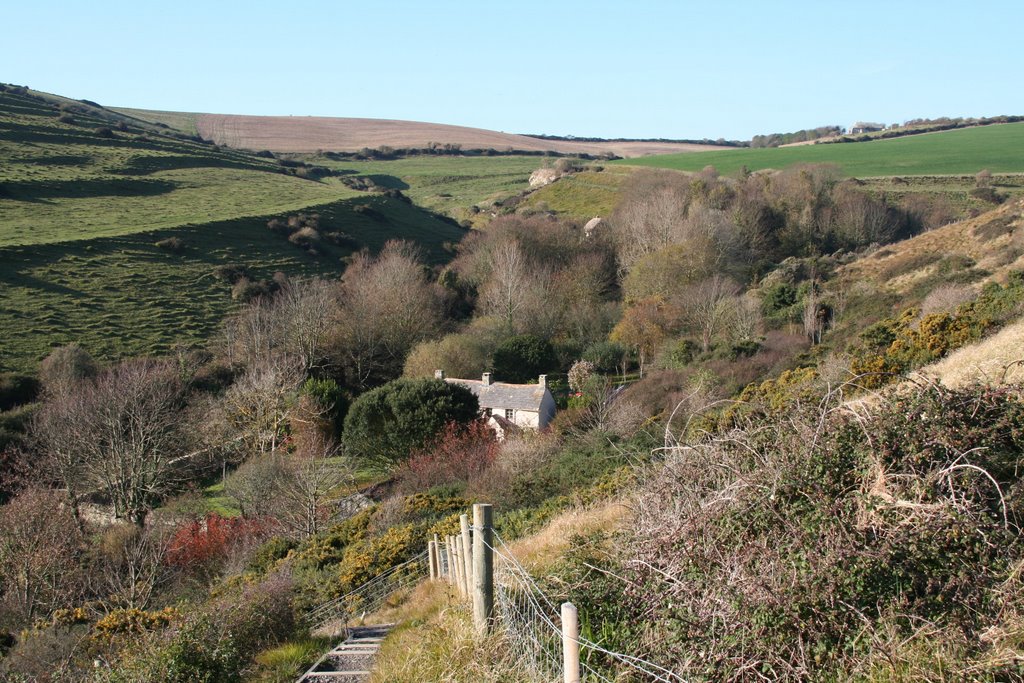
{"x": 866, "y": 127}
{"x": 526, "y": 406}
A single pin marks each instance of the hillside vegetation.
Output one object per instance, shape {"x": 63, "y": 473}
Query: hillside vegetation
{"x": 998, "y": 148}
{"x": 745, "y": 480}
{"x": 113, "y": 236}
{"x": 71, "y": 176}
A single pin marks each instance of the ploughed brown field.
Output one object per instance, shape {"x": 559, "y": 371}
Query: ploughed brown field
{"x": 312, "y": 133}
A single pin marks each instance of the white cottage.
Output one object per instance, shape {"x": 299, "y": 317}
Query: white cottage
{"x": 528, "y": 406}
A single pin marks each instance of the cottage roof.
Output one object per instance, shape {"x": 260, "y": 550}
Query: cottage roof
{"x": 502, "y": 395}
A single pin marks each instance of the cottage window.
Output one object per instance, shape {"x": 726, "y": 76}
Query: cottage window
{"x": 488, "y": 411}
{"x": 508, "y": 413}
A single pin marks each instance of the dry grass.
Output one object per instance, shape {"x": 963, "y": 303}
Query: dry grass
{"x": 312, "y": 133}
{"x": 434, "y": 638}
{"x": 543, "y": 550}
{"x": 899, "y": 267}
{"x": 435, "y": 641}
{"x": 998, "y": 359}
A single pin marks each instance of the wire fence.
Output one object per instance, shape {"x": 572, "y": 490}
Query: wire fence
{"x": 372, "y": 595}
{"x": 530, "y": 621}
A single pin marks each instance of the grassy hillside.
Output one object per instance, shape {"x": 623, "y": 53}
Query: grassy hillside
{"x": 123, "y": 295}
{"x": 998, "y": 148}
{"x": 448, "y": 184}
{"x": 581, "y": 196}
{"x": 77, "y": 178}
{"x": 179, "y": 120}
{"x": 83, "y": 203}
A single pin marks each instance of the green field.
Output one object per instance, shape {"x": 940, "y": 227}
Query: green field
{"x": 448, "y": 184}
{"x": 69, "y": 181}
{"x": 581, "y": 196}
{"x": 999, "y": 148}
{"x": 81, "y": 211}
{"x": 123, "y": 295}
{"x": 179, "y": 120}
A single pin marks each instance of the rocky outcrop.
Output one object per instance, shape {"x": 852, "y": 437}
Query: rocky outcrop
{"x": 542, "y": 177}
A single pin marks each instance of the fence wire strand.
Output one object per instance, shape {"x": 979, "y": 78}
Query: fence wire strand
{"x": 372, "y": 595}
{"x": 530, "y": 621}
{"x": 528, "y": 618}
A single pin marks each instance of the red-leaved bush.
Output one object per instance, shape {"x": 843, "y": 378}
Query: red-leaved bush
{"x": 206, "y": 543}
{"x": 460, "y": 453}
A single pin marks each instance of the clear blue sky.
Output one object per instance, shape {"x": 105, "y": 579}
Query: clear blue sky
{"x": 637, "y": 69}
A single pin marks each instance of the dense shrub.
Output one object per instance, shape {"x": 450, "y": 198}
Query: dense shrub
{"x": 460, "y": 453}
{"x": 606, "y": 356}
{"x": 203, "y": 545}
{"x": 245, "y": 290}
{"x": 66, "y": 364}
{"x": 214, "y": 644}
{"x": 895, "y": 345}
{"x": 329, "y": 397}
{"x": 385, "y": 424}
{"x": 988, "y": 194}
{"x": 814, "y": 545}
{"x": 230, "y": 272}
{"x": 305, "y": 237}
{"x": 523, "y": 358}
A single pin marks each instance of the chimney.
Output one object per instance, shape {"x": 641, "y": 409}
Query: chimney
{"x": 438, "y": 374}
{"x": 487, "y": 379}
{"x": 543, "y": 381}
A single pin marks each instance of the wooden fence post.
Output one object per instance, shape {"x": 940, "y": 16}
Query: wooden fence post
{"x": 460, "y": 548}
{"x": 440, "y": 559}
{"x": 432, "y": 557}
{"x": 467, "y": 554}
{"x": 454, "y": 554}
{"x": 570, "y": 643}
{"x": 483, "y": 568}
{"x": 458, "y": 564}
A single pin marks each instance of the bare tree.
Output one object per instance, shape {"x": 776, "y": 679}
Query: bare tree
{"x": 303, "y": 311}
{"x": 118, "y": 435}
{"x": 506, "y": 292}
{"x": 313, "y": 476}
{"x": 650, "y": 215}
{"x": 38, "y": 546}
{"x": 860, "y": 219}
{"x": 250, "y": 336}
{"x": 131, "y": 566}
{"x": 293, "y": 321}
{"x": 709, "y": 306}
{"x": 259, "y": 404}
{"x": 387, "y": 306}
{"x": 815, "y": 317}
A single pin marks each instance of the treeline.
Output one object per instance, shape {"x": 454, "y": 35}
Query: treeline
{"x": 805, "y": 135}
{"x": 387, "y": 153}
{"x": 918, "y": 126}
{"x": 722, "y": 142}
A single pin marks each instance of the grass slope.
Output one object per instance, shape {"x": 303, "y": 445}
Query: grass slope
{"x": 81, "y": 210}
{"x": 123, "y": 295}
{"x": 448, "y": 184}
{"x": 63, "y": 181}
{"x": 999, "y": 148}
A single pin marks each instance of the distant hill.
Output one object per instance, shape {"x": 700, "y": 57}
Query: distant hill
{"x": 999, "y": 148}
{"x": 305, "y": 134}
